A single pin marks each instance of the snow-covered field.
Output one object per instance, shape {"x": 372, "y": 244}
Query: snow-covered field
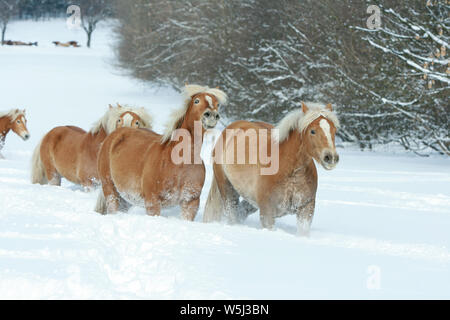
{"x": 381, "y": 227}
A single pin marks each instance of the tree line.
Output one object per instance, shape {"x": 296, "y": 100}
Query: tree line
{"x": 92, "y": 12}
{"x": 389, "y": 84}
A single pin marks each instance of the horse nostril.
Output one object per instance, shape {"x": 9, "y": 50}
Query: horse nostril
{"x": 327, "y": 158}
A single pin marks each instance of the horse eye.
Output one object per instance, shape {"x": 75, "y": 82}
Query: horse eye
{"x": 313, "y": 132}
{"x": 137, "y": 123}
{"x": 119, "y": 121}
{"x": 197, "y": 101}
{"x": 18, "y": 121}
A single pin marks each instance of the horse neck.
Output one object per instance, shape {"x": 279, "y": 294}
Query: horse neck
{"x": 196, "y": 138}
{"x": 293, "y": 154}
{"x": 188, "y": 124}
{"x": 5, "y": 126}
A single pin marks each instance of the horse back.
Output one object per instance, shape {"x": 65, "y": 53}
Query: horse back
{"x": 75, "y": 129}
{"x": 245, "y": 125}
{"x": 127, "y": 148}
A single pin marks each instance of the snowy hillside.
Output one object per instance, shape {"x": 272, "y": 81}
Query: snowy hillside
{"x": 381, "y": 226}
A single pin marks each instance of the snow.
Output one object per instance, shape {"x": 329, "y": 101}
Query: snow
{"x": 380, "y": 231}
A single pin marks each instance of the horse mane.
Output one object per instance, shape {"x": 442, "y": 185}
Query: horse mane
{"x": 297, "y": 120}
{"x": 12, "y": 114}
{"x": 177, "y": 116}
{"x": 109, "y": 121}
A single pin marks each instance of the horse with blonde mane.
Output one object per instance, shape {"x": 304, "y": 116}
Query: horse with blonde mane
{"x": 13, "y": 120}
{"x": 71, "y": 152}
{"x": 300, "y": 137}
{"x": 138, "y": 167}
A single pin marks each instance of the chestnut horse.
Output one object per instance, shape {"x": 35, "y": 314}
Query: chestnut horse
{"x": 71, "y": 152}
{"x": 66, "y": 44}
{"x": 13, "y": 120}
{"x": 138, "y": 167}
{"x": 303, "y": 135}
{"x": 19, "y": 43}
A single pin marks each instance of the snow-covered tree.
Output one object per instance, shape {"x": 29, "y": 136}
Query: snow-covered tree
{"x": 92, "y": 12}
{"x": 413, "y": 43}
{"x": 39, "y": 9}
{"x": 388, "y": 85}
{"x": 8, "y": 8}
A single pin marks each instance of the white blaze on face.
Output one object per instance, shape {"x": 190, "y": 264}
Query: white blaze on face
{"x": 327, "y": 130}
{"x": 209, "y": 99}
{"x": 127, "y": 118}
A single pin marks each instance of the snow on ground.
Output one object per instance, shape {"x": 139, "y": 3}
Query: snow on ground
{"x": 381, "y": 227}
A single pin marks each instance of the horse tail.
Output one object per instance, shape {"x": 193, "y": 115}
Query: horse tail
{"x": 100, "y": 207}
{"x": 214, "y": 205}
{"x": 38, "y": 174}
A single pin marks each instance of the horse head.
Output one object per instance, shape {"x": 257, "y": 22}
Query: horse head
{"x": 318, "y": 127}
{"x": 204, "y": 107}
{"x": 122, "y": 116}
{"x": 19, "y": 124}
{"x": 201, "y": 105}
{"x": 131, "y": 117}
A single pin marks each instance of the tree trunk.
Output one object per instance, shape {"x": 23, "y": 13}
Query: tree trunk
{"x": 3, "y": 33}
{"x": 89, "y": 36}
{"x": 89, "y": 30}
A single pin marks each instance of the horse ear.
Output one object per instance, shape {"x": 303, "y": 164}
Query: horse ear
{"x": 329, "y": 107}
{"x": 110, "y": 106}
{"x": 304, "y": 107}
{"x": 119, "y": 106}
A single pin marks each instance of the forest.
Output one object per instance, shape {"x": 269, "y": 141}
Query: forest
{"x": 388, "y": 81}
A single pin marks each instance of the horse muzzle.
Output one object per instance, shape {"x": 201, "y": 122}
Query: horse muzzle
{"x": 210, "y": 119}
{"x": 25, "y": 136}
{"x": 329, "y": 160}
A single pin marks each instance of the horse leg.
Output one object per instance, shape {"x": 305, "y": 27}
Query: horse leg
{"x": 112, "y": 198}
{"x": 304, "y": 218}
{"x": 111, "y": 203}
{"x": 109, "y": 200}
{"x": 124, "y": 205}
{"x": 231, "y": 204}
{"x": 53, "y": 177}
{"x": 89, "y": 184}
{"x": 55, "y": 180}
{"x": 153, "y": 206}
{"x": 189, "y": 209}
{"x": 246, "y": 209}
{"x": 230, "y": 198}
{"x": 267, "y": 216}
